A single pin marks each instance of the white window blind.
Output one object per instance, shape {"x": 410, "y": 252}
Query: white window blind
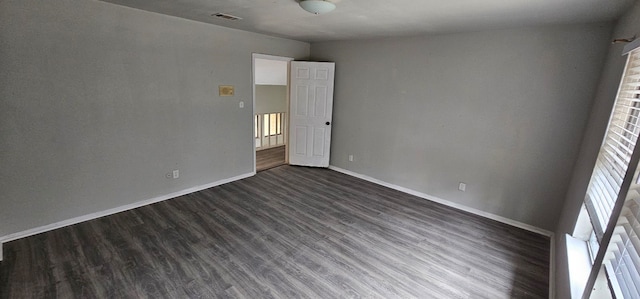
{"x": 621, "y": 259}
{"x": 615, "y": 153}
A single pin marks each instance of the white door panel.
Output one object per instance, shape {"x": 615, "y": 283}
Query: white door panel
{"x": 311, "y": 110}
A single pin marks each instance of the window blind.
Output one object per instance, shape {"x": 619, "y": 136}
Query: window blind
{"x": 621, "y": 259}
{"x": 618, "y": 145}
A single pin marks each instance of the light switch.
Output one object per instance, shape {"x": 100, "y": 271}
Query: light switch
{"x": 241, "y": 104}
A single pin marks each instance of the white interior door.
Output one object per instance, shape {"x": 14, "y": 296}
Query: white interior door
{"x": 311, "y": 106}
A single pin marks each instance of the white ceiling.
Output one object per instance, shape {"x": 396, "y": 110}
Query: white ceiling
{"x": 271, "y": 72}
{"x": 358, "y": 19}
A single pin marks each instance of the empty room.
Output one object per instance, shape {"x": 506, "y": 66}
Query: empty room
{"x": 402, "y": 149}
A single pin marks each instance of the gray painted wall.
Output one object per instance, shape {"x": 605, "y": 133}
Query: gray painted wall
{"x": 502, "y": 111}
{"x": 98, "y": 102}
{"x": 627, "y": 26}
{"x": 271, "y": 98}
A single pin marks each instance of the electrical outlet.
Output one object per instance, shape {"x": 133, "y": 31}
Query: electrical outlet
{"x": 176, "y": 174}
{"x": 241, "y": 104}
{"x": 350, "y": 158}
{"x": 462, "y": 187}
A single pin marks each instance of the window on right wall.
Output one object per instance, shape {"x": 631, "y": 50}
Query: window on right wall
{"x": 612, "y": 200}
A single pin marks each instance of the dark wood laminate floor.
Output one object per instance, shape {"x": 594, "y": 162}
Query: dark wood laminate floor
{"x": 288, "y": 232}
{"x": 270, "y": 158}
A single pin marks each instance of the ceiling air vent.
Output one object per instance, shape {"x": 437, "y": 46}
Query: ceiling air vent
{"x": 226, "y": 16}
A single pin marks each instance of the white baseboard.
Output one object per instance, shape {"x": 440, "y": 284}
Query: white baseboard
{"x": 446, "y": 202}
{"x": 72, "y": 221}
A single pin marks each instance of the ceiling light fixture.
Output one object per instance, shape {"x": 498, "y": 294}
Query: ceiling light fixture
{"x": 317, "y": 6}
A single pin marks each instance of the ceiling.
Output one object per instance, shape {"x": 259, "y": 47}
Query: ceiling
{"x": 360, "y": 19}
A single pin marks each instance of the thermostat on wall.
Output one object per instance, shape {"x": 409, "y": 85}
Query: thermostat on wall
{"x": 225, "y": 90}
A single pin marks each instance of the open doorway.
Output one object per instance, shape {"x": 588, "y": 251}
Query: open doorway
{"x": 270, "y": 110}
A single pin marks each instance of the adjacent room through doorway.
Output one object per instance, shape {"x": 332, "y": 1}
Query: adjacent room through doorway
{"x": 270, "y": 119}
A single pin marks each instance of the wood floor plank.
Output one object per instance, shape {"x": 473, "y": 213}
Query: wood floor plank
{"x": 288, "y": 232}
{"x": 270, "y": 158}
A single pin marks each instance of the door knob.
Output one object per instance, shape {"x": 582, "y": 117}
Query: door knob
{"x": 327, "y": 123}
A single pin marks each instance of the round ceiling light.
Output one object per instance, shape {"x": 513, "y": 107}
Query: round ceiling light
{"x": 317, "y": 6}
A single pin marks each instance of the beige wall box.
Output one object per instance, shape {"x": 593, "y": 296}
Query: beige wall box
{"x": 225, "y": 90}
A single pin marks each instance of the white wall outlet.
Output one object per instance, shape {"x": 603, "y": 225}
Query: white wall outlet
{"x": 350, "y": 158}
{"x": 176, "y": 174}
{"x": 462, "y": 187}
{"x": 241, "y": 104}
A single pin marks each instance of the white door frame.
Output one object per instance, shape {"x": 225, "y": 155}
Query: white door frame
{"x": 255, "y": 56}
